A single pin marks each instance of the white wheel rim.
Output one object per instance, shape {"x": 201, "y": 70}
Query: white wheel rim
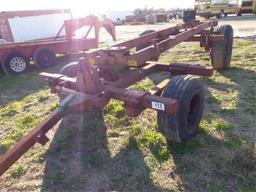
{"x": 18, "y": 64}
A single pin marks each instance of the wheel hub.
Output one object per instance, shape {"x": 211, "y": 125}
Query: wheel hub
{"x": 17, "y": 64}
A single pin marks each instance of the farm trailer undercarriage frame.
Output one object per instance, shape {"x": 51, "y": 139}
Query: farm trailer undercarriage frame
{"x": 106, "y": 74}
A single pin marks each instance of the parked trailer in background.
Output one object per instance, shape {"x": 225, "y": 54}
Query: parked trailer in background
{"x": 15, "y": 57}
{"x": 20, "y": 26}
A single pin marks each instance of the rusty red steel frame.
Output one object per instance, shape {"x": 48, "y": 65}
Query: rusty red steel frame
{"x": 107, "y": 74}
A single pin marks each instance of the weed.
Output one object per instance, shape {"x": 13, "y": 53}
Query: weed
{"x": 186, "y": 147}
{"x": 203, "y": 126}
{"x": 58, "y": 177}
{"x": 151, "y": 137}
{"x": 221, "y": 125}
{"x": 144, "y": 85}
{"x": 23, "y": 124}
{"x": 54, "y": 106}
{"x": 17, "y": 170}
{"x": 11, "y": 110}
{"x": 42, "y": 96}
{"x": 233, "y": 142}
{"x": 132, "y": 144}
{"x": 161, "y": 153}
{"x": 214, "y": 99}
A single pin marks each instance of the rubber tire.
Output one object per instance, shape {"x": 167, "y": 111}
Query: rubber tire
{"x": 187, "y": 90}
{"x": 138, "y": 48}
{"x": 1, "y": 68}
{"x": 6, "y": 64}
{"x": 48, "y": 62}
{"x": 70, "y": 69}
{"x": 221, "y": 51}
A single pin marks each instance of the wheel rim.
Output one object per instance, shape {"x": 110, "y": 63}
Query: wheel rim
{"x": 18, "y": 64}
{"x": 193, "y": 112}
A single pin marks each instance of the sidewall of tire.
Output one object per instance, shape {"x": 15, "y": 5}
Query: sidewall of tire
{"x": 173, "y": 127}
{"x": 138, "y": 48}
{"x": 6, "y": 63}
{"x": 221, "y": 52}
{"x": 39, "y": 51}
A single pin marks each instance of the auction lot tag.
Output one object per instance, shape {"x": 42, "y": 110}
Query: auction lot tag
{"x": 158, "y": 106}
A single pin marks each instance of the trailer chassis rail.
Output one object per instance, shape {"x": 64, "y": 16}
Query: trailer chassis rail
{"x": 107, "y": 74}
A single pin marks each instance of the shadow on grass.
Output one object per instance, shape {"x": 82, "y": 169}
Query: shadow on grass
{"x": 226, "y": 161}
{"x": 225, "y": 156}
{"x": 239, "y": 110}
{"x": 79, "y": 160}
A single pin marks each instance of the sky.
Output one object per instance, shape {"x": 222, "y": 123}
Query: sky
{"x": 83, "y": 7}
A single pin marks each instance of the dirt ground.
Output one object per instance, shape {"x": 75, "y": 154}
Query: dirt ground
{"x": 243, "y": 26}
{"x": 109, "y": 151}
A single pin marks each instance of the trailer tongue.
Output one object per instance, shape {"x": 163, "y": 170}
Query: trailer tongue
{"x": 106, "y": 74}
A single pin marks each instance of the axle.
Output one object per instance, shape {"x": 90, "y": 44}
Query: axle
{"x": 107, "y": 74}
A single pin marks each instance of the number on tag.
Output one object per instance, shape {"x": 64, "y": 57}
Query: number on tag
{"x": 158, "y": 106}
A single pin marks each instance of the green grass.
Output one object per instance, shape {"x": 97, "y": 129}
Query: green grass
{"x": 22, "y": 124}
{"x": 17, "y": 171}
{"x": 109, "y": 151}
{"x": 221, "y": 125}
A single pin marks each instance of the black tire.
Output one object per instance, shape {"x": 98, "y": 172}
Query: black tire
{"x": 70, "y": 69}
{"x": 1, "y": 68}
{"x": 221, "y": 51}
{"x": 44, "y": 57}
{"x": 144, "y": 33}
{"x": 239, "y": 13}
{"x": 183, "y": 125}
{"x": 15, "y": 64}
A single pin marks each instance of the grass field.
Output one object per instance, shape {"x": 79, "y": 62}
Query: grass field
{"x": 108, "y": 151}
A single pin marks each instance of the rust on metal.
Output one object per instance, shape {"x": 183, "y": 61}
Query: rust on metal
{"x": 108, "y": 73}
{"x": 34, "y": 136}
